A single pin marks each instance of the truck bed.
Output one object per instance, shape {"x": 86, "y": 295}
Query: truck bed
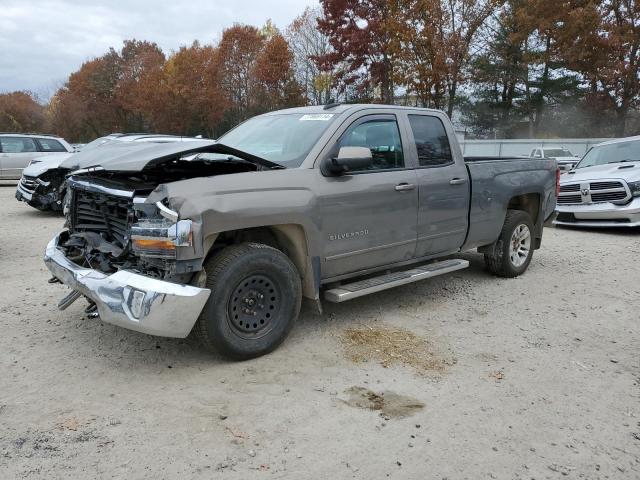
{"x": 494, "y": 181}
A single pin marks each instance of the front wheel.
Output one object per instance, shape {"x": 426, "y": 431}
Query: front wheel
{"x": 512, "y": 252}
{"x": 255, "y": 300}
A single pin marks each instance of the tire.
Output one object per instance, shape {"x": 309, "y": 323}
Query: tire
{"x": 510, "y": 256}
{"x": 255, "y": 300}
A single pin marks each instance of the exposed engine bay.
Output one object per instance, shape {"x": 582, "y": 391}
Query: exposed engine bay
{"x": 113, "y": 227}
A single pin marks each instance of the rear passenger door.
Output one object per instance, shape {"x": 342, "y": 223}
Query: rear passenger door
{"x": 15, "y": 155}
{"x": 443, "y": 187}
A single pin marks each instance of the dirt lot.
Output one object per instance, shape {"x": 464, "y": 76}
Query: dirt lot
{"x": 537, "y": 377}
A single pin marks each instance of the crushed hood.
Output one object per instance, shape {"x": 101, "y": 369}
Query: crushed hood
{"x": 46, "y": 163}
{"x": 134, "y": 157}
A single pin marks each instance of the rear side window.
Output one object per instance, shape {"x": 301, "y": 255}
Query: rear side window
{"x": 431, "y": 140}
{"x": 51, "y": 145}
{"x": 17, "y": 145}
{"x": 382, "y": 137}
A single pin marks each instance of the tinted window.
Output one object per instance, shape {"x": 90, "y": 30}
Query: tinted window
{"x": 431, "y": 140}
{"x": 17, "y": 145}
{"x": 382, "y": 137}
{"x": 51, "y": 145}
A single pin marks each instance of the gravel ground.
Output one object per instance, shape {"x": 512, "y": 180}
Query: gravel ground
{"x": 540, "y": 378}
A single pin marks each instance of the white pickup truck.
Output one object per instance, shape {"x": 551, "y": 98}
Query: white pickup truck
{"x": 603, "y": 190}
{"x": 565, "y": 159}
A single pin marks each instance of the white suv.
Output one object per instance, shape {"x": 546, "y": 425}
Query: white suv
{"x": 17, "y": 150}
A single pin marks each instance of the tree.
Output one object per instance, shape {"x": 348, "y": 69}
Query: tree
{"x": 21, "y": 112}
{"x": 140, "y": 70}
{"x": 188, "y": 100}
{"x": 307, "y": 43}
{"x": 238, "y": 51}
{"x": 85, "y": 107}
{"x": 274, "y": 75}
{"x": 364, "y": 42}
{"x": 601, "y": 40}
{"x": 520, "y": 76}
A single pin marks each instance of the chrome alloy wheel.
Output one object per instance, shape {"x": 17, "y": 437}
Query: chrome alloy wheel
{"x": 520, "y": 245}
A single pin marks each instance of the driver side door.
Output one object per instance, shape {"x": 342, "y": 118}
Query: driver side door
{"x": 368, "y": 218}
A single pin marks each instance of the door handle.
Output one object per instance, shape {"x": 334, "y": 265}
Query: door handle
{"x": 457, "y": 181}
{"x": 403, "y": 187}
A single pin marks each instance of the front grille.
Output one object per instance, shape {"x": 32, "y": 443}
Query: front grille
{"x": 28, "y": 183}
{"x": 605, "y": 185}
{"x": 102, "y": 213}
{"x": 593, "y": 192}
{"x": 608, "y": 197}
{"x": 564, "y": 199}
{"x": 574, "y": 187}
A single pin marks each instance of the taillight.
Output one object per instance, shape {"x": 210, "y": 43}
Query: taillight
{"x": 557, "y": 182}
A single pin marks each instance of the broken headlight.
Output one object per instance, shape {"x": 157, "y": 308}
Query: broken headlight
{"x": 159, "y": 235}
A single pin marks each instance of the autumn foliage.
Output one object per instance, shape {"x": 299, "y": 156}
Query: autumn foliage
{"x": 197, "y": 90}
{"x": 499, "y": 68}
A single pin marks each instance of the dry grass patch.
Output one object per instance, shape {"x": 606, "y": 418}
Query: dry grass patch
{"x": 391, "y": 346}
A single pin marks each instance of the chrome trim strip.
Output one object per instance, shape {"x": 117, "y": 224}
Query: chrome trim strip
{"x": 96, "y": 187}
{"x": 368, "y": 250}
{"x": 166, "y": 212}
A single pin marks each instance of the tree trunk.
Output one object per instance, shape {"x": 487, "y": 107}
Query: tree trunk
{"x": 621, "y": 120}
{"x": 452, "y": 98}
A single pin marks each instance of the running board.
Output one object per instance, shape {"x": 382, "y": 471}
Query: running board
{"x": 390, "y": 280}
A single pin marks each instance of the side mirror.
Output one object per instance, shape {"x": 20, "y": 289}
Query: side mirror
{"x": 348, "y": 160}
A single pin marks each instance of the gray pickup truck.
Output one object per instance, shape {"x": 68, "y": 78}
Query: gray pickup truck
{"x": 224, "y": 239}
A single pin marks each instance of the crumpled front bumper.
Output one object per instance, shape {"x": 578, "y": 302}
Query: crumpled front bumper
{"x": 130, "y": 300}
{"x": 22, "y": 194}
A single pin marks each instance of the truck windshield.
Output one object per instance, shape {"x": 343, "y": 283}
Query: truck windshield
{"x": 285, "y": 138}
{"x": 612, "y": 153}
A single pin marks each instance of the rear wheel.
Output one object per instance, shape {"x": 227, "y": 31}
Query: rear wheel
{"x": 254, "y": 302}
{"x": 512, "y": 252}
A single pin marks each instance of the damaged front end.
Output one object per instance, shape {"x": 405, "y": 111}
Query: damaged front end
{"x": 44, "y": 192}
{"x": 122, "y": 255}
{"x": 129, "y": 253}
{"x": 112, "y": 228}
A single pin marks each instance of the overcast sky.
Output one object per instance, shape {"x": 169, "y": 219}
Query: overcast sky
{"x": 43, "y": 41}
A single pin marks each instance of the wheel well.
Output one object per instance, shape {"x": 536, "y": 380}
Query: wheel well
{"x": 290, "y": 239}
{"x": 529, "y": 202}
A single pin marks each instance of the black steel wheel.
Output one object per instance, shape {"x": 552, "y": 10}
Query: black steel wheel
{"x": 253, "y": 306}
{"x": 255, "y": 300}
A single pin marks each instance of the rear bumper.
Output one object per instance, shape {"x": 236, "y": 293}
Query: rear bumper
{"x": 600, "y": 215}
{"x": 130, "y": 300}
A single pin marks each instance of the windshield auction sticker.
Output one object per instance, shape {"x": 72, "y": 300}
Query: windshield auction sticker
{"x": 316, "y": 117}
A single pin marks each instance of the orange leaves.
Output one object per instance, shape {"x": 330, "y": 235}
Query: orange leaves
{"x": 199, "y": 89}
{"x": 19, "y": 111}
